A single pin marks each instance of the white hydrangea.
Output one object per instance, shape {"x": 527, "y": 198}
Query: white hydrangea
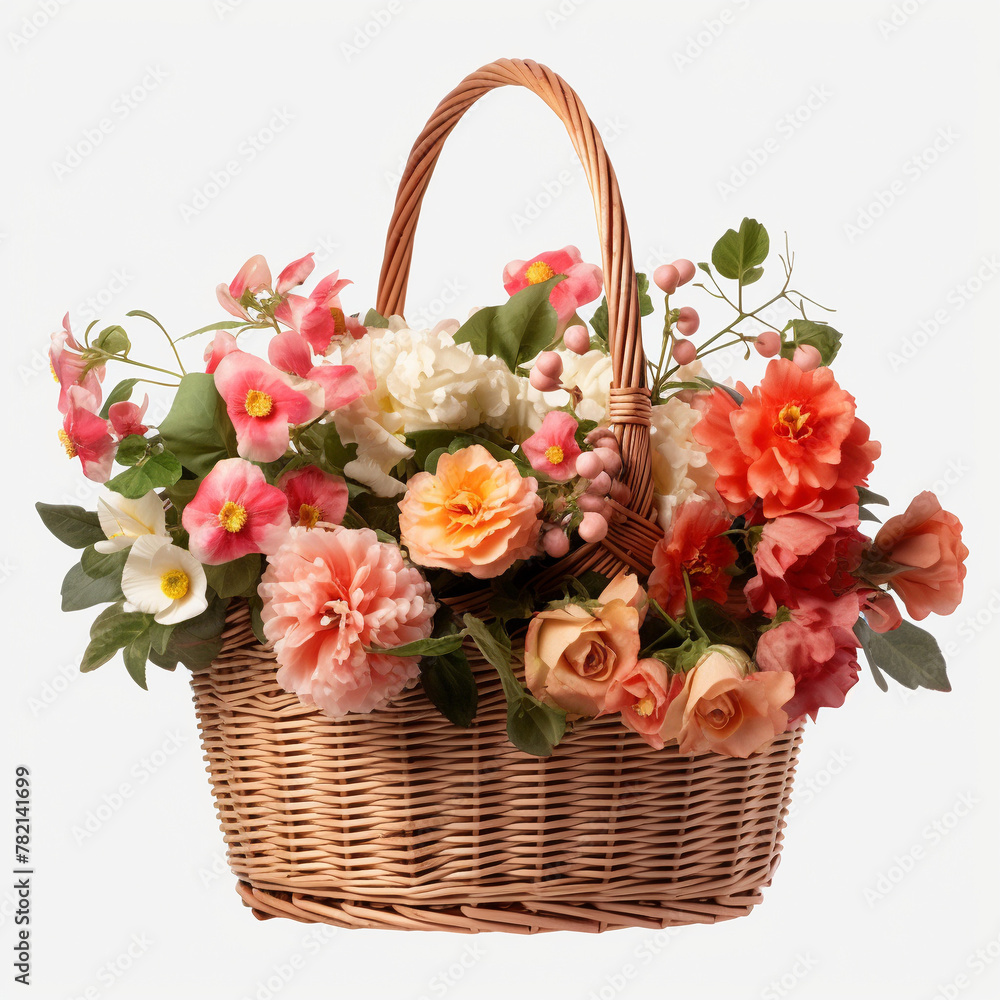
{"x": 424, "y": 381}
{"x": 591, "y": 374}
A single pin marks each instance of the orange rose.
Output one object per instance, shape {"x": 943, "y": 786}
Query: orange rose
{"x": 572, "y": 654}
{"x": 724, "y": 709}
{"x": 474, "y": 515}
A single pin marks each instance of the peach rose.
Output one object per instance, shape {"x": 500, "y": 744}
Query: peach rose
{"x": 572, "y": 653}
{"x": 725, "y": 709}
{"x": 474, "y": 515}
{"x": 642, "y": 696}
{"x": 927, "y": 542}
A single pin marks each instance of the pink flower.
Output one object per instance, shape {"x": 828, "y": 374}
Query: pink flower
{"x": 70, "y": 368}
{"x": 880, "y": 611}
{"x": 222, "y": 344}
{"x": 552, "y": 449}
{"x": 642, "y": 694}
{"x": 314, "y": 496}
{"x": 86, "y": 436}
{"x": 294, "y": 274}
{"x": 327, "y": 596}
{"x": 235, "y": 512}
{"x": 319, "y": 318}
{"x": 262, "y": 403}
{"x": 253, "y": 277}
{"x": 800, "y": 557}
{"x": 582, "y": 284}
{"x": 341, "y": 384}
{"x": 126, "y": 418}
{"x": 823, "y": 660}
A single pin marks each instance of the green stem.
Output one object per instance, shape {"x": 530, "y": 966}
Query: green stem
{"x": 142, "y": 364}
{"x": 692, "y": 614}
{"x": 170, "y": 341}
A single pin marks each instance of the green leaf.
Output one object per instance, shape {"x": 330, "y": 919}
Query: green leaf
{"x": 156, "y": 471}
{"x": 645, "y": 302}
{"x": 866, "y": 515}
{"x": 113, "y": 629}
{"x": 189, "y": 430}
{"x": 113, "y": 340}
{"x": 908, "y": 654}
{"x": 256, "y": 622}
{"x": 132, "y": 450}
{"x": 434, "y": 646}
{"x": 822, "y": 336}
{"x": 135, "y": 655}
{"x": 450, "y": 685}
{"x": 516, "y": 331}
{"x": 99, "y": 564}
{"x": 224, "y": 325}
{"x": 182, "y": 493}
{"x": 198, "y": 641}
{"x": 599, "y": 321}
{"x": 159, "y": 637}
{"x": 380, "y": 513}
{"x": 373, "y": 318}
{"x": 738, "y": 254}
{"x": 73, "y": 526}
{"x": 119, "y": 394}
{"x": 236, "y": 577}
{"x": 865, "y": 496}
{"x": 81, "y": 591}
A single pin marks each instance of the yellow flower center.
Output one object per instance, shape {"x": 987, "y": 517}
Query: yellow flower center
{"x": 67, "y": 443}
{"x": 52, "y": 369}
{"x": 554, "y": 454}
{"x": 232, "y": 517}
{"x": 174, "y": 584}
{"x": 309, "y": 515}
{"x": 538, "y": 272}
{"x": 257, "y": 403}
{"x": 792, "y": 422}
{"x": 644, "y": 707}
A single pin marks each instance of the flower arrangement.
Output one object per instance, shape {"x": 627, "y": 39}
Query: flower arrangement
{"x": 356, "y": 479}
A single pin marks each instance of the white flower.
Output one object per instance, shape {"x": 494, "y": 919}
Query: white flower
{"x": 124, "y": 520}
{"x": 163, "y": 580}
{"x": 424, "y": 381}
{"x": 681, "y": 469}
{"x": 591, "y": 374}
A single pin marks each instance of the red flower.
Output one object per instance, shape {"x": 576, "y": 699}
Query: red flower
{"x": 582, "y": 284}
{"x": 86, "y": 436}
{"x": 926, "y": 542}
{"x": 794, "y": 442}
{"x": 313, "y": 496}
{"x": 697, "y": 546}
{"x": 800, "y": 556}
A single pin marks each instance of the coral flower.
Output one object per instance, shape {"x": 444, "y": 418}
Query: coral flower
{"x": 235, "y": 512}
{"x": 253, "y": 277}
{"x": 696, "y": 546}
{"x": 642, "y": 695}
{"x": 329, "y": 597}
{"x": 222, "y": 344}
{"x": 314, "y": 496}
{"x": 795, "y": 443}
{"x": 262, "y": 403}
{"x": 925, "y": 543}
{"x": 70, "y": 368}
{"x": 319, "y": 318}
{"x": 582, "y": 284}
{"x": 552, "y": 449}
{"x": 341, "y": 384}
{"x": 474, "y": 515}
{"x": 86, "y": 436}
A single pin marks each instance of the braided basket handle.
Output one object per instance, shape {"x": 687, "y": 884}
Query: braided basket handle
{"x": 629, "y": 406}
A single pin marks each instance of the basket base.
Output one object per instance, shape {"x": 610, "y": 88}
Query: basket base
{"x": 512, "y": 918}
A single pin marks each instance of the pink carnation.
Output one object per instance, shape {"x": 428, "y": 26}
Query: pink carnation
{"x": 328, "y": 595}
{"x": 552, "y": 449}
{"x": 234, "y": 513}
{"x": 314, "y": 496}
{"x": 582, "y": 284}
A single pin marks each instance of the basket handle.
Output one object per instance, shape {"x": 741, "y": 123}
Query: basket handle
{"x": 629, "y": 406}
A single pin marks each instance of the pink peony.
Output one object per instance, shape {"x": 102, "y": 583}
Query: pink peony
{"x": 234, "y": 513}
{"x": 222, "y": 344}
{"x": 582, "y": 284}
{"x": 822, "y": 659}
{"x": 71, "y": 369}
{"x": 86, "y": 436}
{"x": 552, "y": 449}
{"x": 319, "y": 318}
{"x": 327, "y": 596}
{"x": 341, "y": 384}
{"x": 642, "y": 694}
{"x": 262, "y": 403}
{"x": 314, "y": 496}
{"x": 253, "y": 277}
{"x": 126, "y": 418}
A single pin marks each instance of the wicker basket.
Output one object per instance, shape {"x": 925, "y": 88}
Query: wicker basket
{"x": 399, "y": 819}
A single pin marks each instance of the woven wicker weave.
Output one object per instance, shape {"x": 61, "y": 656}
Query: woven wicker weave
{"x": 399, "y": 819}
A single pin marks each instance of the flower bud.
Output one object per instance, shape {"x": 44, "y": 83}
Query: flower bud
{"x": 768, "y": 343}
{"x": 666, "y": 277}
{"x": 684, "y": 352}
{"x": 555, "y": 543}
{"x": 688, "y": 321}
{"x": 593, "y": 527}
{"x": 594, "y": 504}
{"x": 549, "y": 363}
{"x": 542, "y": 382}
{"x": 589, "y": 465}
{"x": 807, "y": 357}
{"x": 611, "y": 460}
{"x": 600, "y": 485}
{"x": 577, "y": 339}
{"x": 685, "y": 270}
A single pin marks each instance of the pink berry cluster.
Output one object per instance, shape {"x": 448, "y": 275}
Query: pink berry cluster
{"x": 668, "y": 278}
{"x": 548, "y": 366}
{"x": 768, "y": 344}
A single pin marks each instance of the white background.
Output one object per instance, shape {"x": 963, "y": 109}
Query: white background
{"x": 889, "y": 880}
